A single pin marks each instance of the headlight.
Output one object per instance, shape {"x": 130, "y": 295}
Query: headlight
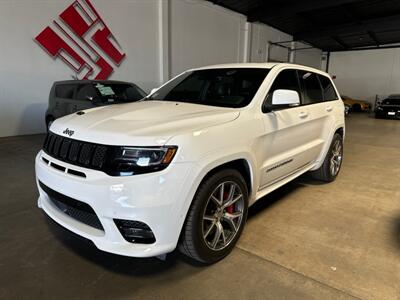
{"x": 128, "y": 161}
{"x": 379, "y": 108}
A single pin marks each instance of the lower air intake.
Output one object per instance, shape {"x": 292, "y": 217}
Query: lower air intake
{"x": 135, "y": 231}
{"x": 77, "y": 210}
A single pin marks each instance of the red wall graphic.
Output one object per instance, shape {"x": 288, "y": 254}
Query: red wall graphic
{"x": 81, "y": 39}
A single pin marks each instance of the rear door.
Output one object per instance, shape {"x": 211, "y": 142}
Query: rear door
{"x": 290, "y": 140}
{"x": 333, "y": 106}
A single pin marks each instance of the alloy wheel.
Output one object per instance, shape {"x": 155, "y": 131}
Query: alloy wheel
{"x": 223, "y": 215}
{"x": 336, "y": 158}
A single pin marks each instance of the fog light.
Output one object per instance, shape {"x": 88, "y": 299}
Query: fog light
{"x": 135, "y": 231}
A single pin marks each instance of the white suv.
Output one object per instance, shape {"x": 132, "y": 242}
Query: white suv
{"x": 182, "y": 166}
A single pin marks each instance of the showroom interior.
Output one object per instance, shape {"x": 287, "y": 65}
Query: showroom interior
{"x": 303, "y": 240}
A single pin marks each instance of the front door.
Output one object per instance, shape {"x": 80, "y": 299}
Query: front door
{"x": 291, "y": 140}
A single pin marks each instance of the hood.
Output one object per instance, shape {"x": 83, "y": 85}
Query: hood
{"x": 143, "y": 123}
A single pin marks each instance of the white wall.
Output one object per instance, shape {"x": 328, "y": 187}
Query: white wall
{"x": 204, "y": 34}
{"x": 308, "y": 57}
{"x": 261, "y": 35}
{"x": 364, "y": 74}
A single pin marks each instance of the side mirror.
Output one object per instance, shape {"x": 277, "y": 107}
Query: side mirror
{"x": 285, "y": 97}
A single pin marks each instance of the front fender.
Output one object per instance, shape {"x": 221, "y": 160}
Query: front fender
{"x": 219, "y": 158}
{"x": 209, "y": 163}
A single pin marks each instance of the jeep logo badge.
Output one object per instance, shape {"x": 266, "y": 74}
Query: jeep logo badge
{"x": 69, "y": 132}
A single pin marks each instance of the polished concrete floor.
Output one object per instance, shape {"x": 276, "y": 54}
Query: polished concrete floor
{"x": 304, "y": 241}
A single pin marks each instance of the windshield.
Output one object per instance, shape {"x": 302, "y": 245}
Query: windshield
{"x": 216, "y": 87}
{"x": 118, "y": 92}
{"x": 391, "y": 102}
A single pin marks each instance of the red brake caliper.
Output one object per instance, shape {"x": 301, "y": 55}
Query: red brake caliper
{"x": 229, "y": 209}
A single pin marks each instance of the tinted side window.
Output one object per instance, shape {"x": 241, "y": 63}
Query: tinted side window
{"x": 286, "y": 80}
{"x": 312, "y": 92}
{"x": 65, "y": 91}
{"x": 327, "y": 88}
{"x": 86, "y": 92}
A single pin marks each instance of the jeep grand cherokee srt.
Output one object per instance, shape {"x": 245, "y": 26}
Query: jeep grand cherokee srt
{"x": 182, "y": 166}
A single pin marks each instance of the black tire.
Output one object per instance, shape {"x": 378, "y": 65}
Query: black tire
{"x": 356, "y": 107}
{"x": 324, "y": 173}
{"x": 192, "y": 243}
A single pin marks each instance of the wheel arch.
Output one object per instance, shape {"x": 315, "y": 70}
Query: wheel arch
{"x": 243, "y": 163}
{"x": 340, "y": 129}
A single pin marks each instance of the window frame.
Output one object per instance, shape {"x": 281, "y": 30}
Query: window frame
{"x": 288, "y": 106}
{"x": 322, "y": 88}
{"x": 303, "y": 88}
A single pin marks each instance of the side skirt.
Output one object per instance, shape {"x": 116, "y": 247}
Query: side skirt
{"x": 281, "y": 181}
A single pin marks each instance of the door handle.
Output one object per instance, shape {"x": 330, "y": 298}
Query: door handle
{"x": 303, "y": 114}
{"x": 329, "y": 108}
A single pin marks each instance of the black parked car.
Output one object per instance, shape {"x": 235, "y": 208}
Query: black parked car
{"x": 388, "y": 108}
{"x": 70, "y": 96}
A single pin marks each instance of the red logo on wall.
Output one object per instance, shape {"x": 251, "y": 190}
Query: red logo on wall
{"x": 83, "y": 41}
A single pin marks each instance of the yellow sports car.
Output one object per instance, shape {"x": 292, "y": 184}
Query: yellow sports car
{"x": 355, "y": 104}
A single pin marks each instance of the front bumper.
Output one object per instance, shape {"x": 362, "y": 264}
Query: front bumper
{"x": 156, "y": 199}
{"x": 388, "y": 114}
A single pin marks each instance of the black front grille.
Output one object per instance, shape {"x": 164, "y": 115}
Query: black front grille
{"x": 75, "y": 152}
{"x": 77, "y": 210}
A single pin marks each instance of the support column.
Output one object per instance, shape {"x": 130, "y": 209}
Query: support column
{"x": 246, "y": 42}
{"x": 292, "y": 55}
{"x": 164, "y": 39}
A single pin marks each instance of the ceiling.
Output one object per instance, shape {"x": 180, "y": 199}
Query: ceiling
{"x": 331, "y": 25}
